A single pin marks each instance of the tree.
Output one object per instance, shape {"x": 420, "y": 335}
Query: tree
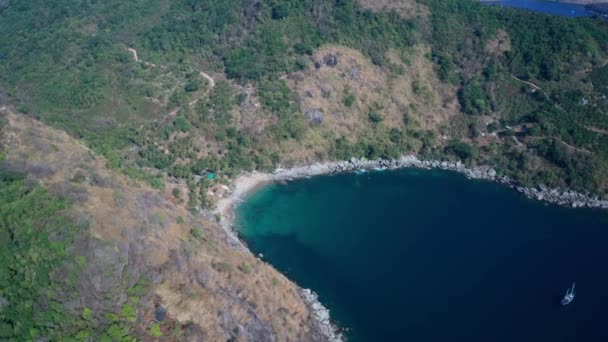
{"x": 280, "y": 11}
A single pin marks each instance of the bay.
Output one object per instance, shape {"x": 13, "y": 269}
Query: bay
{"x": 416, "y": 255}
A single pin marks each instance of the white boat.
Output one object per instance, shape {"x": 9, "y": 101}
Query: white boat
{"x": 569, "y": 297}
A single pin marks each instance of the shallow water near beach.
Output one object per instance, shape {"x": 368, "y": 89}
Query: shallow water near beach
{"x": 416, "y": 255}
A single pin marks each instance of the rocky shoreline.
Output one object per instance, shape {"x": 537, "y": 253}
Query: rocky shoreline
{"x": 247, "y": 183}
{"x": 321, "y": 314}
{"x": 563, "y": 197}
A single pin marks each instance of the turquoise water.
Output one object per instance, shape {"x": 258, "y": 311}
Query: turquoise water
{"x": 550, "y": 7}
{"x": 415, "y": 255}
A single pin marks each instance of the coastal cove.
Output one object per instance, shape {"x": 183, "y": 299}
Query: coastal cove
{"x": 427, "y": 255}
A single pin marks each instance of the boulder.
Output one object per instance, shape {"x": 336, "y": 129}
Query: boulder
{"x": 354, "y": 73}
{"x": 314, "y": 116}
{"x": 331, "y": 60}
{"x": 160, "y": 313}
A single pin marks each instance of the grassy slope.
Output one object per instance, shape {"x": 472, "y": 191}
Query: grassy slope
{"x": 88, "y": 253}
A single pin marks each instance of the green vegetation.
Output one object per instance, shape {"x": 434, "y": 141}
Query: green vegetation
{"x": 461, "y": 150}
{"x": 464, "y": 35}
{"x": 488, "y": 53}
{"x": 31, "y": 286}
{"x": 128, "y": 312}
{"x": 155, "y": 330}
{"x": 349, "y": 98}
{"x": 559, "y": 116}
{"x": 39, "y": 269}
{"x": 532, "y": 91}
{"x": 196, "y": 233}
{"x": 245, "y": 268}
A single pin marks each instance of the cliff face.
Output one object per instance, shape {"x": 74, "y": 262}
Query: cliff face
{"x": 184, "y": 276}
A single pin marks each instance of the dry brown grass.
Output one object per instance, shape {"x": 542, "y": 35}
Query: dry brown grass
{"x": 200, "y": 280}
{"x": 499, "y": 44}
{"x": 410, "y": 86}
{"x": 406, "y": 8}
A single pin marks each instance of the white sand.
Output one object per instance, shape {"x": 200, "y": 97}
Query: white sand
{"x": 243, "y": 185}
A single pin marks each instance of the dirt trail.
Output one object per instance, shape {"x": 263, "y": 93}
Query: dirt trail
{"x": 209, "y": 79}
{"x": 134, "y": 52}
{"x": 211, "y": 85}
{"x": 528, "y": 83}
{"x": 596, "y": 130}
{"x": 539, "y": 89}
{"x": 519, "y": 143}
{"x": 203, "y": 74}
{"x": 578, "y": 149}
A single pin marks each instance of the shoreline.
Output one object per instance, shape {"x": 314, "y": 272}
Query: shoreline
{"x": 247, "y": 183}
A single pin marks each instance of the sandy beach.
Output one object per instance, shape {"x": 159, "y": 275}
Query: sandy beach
{"x": 249, "y": 182}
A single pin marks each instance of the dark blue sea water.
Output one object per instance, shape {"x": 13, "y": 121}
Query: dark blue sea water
{"x": 417, "y": 255}
{"x": 550, "y": 7}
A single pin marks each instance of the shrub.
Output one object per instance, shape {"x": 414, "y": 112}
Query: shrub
{"x": 461, "y": 149}
{"x": 155, "y": 330}
{"x": 245, "y": 268}
{"x": 196, "y": 233}
{"x": 192, "y": 86}
{"x": 473, "y": 98}
{"x": 129, "y": 313}
{"x": 374, "y": 117}
{"x": 280, "y": 11}
{"x": 276, "y": 96}
{"x": 87, "y": 314}
{"x": 182, "y": 124}
{"x": 349, "y": 99}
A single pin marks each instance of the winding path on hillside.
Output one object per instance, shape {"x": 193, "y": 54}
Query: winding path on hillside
{"x": 209, "y": 79}
{"x": 528, "y": 83}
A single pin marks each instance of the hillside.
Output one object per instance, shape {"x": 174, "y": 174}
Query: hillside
{"x": 95, "y": 255}
{"x": 129, "y": 119}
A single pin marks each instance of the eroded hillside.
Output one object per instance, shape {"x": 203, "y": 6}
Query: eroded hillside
{"x": 136, "y": 264}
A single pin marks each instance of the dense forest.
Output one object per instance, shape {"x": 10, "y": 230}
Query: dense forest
{"x": 192, "y": 92}
{"x": 70, "y": 65}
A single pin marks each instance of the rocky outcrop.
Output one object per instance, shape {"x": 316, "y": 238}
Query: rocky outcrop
{"x": 321, "y": 314}
{"x": 314, "y": 116}
{"x": 330, "y": 59}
